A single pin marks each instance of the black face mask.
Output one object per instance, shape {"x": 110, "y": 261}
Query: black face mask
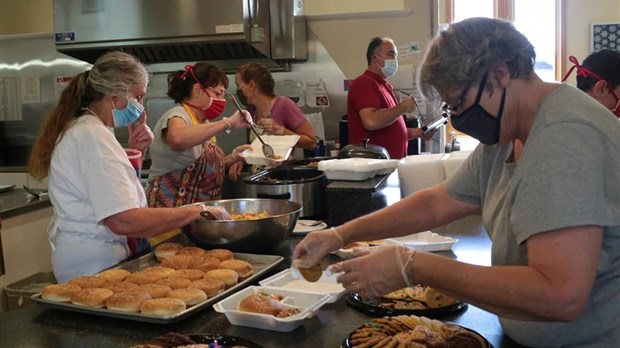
{"x": 242, "y": 98}
{"x": 477, "y": 122}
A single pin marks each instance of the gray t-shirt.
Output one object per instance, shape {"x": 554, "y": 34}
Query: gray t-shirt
{"x": 164, "y": 159}
{"x": 568, "y": 175}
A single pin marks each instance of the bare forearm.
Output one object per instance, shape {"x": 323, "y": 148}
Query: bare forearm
{"x": 381, "y": 118}
{"x": 188, "y": 137}
{"x": 149, "y": 222}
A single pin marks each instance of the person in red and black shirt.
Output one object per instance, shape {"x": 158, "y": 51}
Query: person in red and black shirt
{"x": 373, "y": 111}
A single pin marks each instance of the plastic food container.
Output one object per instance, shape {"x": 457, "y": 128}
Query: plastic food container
{"x": 356, "y": 169}
{"x": 309, "y": 303}
{"x": 326, "y": 285}
{"x": 282, "y": 147}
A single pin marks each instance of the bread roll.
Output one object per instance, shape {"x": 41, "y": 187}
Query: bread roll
{"x": 161, "y": 271}
{"x": 59, "y": 292}
{"x": 162, "y": 307}
{"x": 221, "y": 254}
{"x": 85, "y": 282}
{"x": 191, "y": 274}
{"x": 142, "y": 278}
{"x": 191, "y": 251}
{"x": 178, "y": 261}
{"x": 243, "y": 268}
{"x": 156, "y": 290}
{"x": 114, "y": 275}
{"x": 175, "y": 283}
{"x": 91, "y": 297}
{"x": 166, "y": 250}
{"x": 210, "y": 286}
{"x": 228, "y": 276}
{"x": 258, "y": 303}
{"x": 127, "y": 301}
{"x": 121, "y": 286}
{"x": 205, "y": 263}
{"x": 191, "y": 296}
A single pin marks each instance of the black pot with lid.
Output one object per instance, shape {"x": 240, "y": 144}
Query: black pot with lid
{"x": 364, "y": 150}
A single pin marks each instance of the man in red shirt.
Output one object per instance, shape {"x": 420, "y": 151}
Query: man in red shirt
{"x": 373, "y": 110}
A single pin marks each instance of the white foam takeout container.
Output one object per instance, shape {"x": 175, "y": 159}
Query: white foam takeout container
{"x": 356, "y": 169}
{"x": 282, "y": 146}
{"x": 326, "y": 285}
{"x": 308, "y": 302}
{"x": 423, "y": 241}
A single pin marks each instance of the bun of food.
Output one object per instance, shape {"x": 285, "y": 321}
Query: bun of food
{"x": 191, "y": 296}
{"x": 59, "y": 292}
{"x": 435, "y": 299}
{"x": 221, "y": 254}
{"x": 311, "y": 274}
{"x": 121, "y": 286}
{"x": 127, "y": 301}
{"x": 191, "y": 274}
{"x": 85, "y": 282}
{"x": 156, "y": 290}
{"x": 142, "y": 278}
{"x": 243, "y": 268}
{"x": 205, "y": 263}
{"x": 258, "y": 303}
{"x": 114, "y": 275}
{"x": 178, "y": 261}
{"x": 91, "y": 297}
{"x": 162, "y": 307}
{"x": 166, "y": 250}
{"x": 175, "y": 282}
{"x": 210, "y": 286}
{"x": 228, "y": 276}
{"x": 191, "y": 251}
{"x": 161, "y": 271}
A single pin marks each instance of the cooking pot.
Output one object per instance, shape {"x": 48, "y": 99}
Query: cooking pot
{"x": 364, "y": 150}
{"x": 301, "y": 184}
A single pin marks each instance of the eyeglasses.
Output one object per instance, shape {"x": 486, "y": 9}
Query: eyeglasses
{"x": 459, "y": 101}
{"x": 218, "y": 94}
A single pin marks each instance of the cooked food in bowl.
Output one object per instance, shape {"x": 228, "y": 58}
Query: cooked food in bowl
{"x": 249, "y": 236}
{"x": 250, "y": 216}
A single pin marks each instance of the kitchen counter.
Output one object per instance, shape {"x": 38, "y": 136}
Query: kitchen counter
{"x": 17, "y": 202}
{"x": 35, "y": 326}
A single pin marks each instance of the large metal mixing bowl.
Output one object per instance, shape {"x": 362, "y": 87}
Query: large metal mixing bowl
{"x": 251, "y": 236}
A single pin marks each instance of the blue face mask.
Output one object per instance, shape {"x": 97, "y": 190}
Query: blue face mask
{"x": 128, "y": 115}
{"x": 389, "y": 68}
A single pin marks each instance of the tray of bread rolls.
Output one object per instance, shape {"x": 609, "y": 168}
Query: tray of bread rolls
{"x": 167, "y": 285}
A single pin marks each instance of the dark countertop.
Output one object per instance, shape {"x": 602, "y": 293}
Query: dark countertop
{"x": 35, "y": 326}
{"x": 17, "y": 201}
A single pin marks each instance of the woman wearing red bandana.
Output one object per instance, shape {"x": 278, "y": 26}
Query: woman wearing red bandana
{"x": 187, "y": 164}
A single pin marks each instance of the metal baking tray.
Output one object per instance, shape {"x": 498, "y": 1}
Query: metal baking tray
{"x": 261, "y": 263}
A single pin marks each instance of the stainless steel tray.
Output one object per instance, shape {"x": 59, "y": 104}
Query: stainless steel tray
{"x": 261, "y": 263}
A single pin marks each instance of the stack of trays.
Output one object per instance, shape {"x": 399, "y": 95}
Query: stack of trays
{"x": 356, "y": 169}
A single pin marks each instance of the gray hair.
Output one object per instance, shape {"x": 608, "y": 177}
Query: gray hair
{"x": 469, "y": 49}
{"x": 116, "y": 73}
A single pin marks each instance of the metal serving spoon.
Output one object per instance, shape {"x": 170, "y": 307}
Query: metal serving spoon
{"x": 267, "y": 149}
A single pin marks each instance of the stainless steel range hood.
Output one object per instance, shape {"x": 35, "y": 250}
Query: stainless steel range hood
{"x": 228, "y": 32}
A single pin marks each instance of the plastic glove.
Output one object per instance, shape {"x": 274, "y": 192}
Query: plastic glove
{"x": 218, "y": 212}
{"x": 239, "y": 119}
{"x": 234, "y": 170}
{"x": 236, "y": 153}
{"x": 140, "y": 135}
{"x": 311, "y": 250}
{"x": 378, "y": 272}
{"x": 272, "y": 127}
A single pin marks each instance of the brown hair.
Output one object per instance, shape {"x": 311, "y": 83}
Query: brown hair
{"x": 181, "y": 82}
{"x": 114, "y": 73}
{"x": 257, "y": 72}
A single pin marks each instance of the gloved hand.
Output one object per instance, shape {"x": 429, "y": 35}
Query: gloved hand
{"x": 239, "y": 120}
{"x": 374, "y": 273}
{"x": 311, "y": 250}
{"x": 140, "y": 135}
{"x": 234, "y": 170}
{"x": 218, "y": 212}
{"x": 271, "y": 127}
{"x": 236, "y": 153}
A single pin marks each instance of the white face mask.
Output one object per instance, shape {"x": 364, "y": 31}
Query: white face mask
{"x": 389, "y": 68}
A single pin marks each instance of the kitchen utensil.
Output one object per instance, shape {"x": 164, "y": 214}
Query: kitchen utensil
{"x": 364, "y": 150}
{"x": 310, "y": 223}
{"x": 258, "y": 235}
{"x": 267, "y": 149}
{"x": 436, "y": 123}
{"x": 32, "y": 192}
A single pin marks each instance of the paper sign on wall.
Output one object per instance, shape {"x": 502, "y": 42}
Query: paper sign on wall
{"x": 10, "y": 109}
{"x": 316, "y": 94}
{"x": 30, "y": 89}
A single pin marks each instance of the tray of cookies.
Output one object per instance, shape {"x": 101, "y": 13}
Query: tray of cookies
{"x": 164, "y": 286}
{"x": 416, "y": 300}
{"x": 413, "y": 331}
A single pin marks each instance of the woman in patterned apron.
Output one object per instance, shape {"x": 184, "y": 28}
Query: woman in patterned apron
{"x": 187, "y": 164}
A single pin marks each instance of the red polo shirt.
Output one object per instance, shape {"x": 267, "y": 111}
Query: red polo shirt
{"x": 370, "y": 90}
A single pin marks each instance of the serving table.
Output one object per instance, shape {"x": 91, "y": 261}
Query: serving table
{"x": 35, "y": 326}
